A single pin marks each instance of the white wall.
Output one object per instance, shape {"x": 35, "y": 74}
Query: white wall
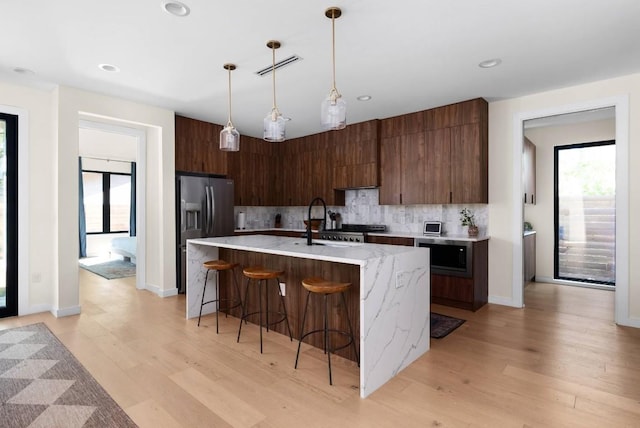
{"x": 36, "y": 284}
{"x": 53, "y": 191}
{"x": 502, "y": 115}
{"x": 541, "y": 214}
{"x": 160, "y": 223}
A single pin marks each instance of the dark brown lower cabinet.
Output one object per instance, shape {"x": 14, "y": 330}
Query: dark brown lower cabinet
{"x": 529, "y": 257}
{"x": 465, "y": 293}
{"x": 391, "y": 240}
{"x": 295, "y": 269}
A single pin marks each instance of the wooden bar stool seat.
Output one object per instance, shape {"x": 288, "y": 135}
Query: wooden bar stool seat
{"x": 321, "y": 286}
{"x": 232, "y": 302}
{"x": 262, "y": 275}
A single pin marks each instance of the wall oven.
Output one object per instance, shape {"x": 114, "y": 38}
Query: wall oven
{"x": 449, "y": 257}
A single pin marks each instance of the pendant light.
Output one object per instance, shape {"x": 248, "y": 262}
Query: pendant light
{"x": 229, "y": 136}
{"x": 333, "y": 109}
{"x": 274, "y": 123}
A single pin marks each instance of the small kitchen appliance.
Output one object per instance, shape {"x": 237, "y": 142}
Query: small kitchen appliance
{"x": 432, "y": 228}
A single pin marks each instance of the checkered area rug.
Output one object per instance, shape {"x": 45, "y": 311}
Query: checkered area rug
{"x": 43, "y": 385}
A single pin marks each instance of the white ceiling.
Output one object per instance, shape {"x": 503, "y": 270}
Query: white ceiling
{"x": 409, "y": 55}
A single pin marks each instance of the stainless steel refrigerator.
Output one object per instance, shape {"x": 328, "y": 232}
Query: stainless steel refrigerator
{"x": 204, "y": 206}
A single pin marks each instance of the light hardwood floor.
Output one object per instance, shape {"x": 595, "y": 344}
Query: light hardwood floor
{"x": 560, "y": 362}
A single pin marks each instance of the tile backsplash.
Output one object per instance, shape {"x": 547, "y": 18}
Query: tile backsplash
{"x": 362, "y": 207}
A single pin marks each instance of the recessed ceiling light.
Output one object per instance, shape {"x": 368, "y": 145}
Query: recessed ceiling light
{"x": 109, "y": 67}
{"x": 176, "y": 8}
{"x": 364, "y": 98}
{"x": 21, "y": 70}
{"x": 490, "y": 63}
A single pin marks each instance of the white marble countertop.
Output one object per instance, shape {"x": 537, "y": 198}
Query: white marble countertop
{"x": 356, "y": 254}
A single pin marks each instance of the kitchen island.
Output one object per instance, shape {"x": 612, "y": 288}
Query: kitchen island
{"x": 392, "y": 284}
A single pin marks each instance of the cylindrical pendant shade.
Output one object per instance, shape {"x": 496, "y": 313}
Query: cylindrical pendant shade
{"x": 274, "y": 128}
{"x": 333, "y": 113}
{"x": 229, "y": 139}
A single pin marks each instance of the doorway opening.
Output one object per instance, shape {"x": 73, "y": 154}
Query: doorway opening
{"x": 620, "y": 107}
{"x": 585, "y": 213}
{"x": 8, "y": 215}
{"x": 113, "y": 169}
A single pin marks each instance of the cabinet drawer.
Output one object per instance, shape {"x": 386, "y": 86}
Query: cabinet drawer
{"x": 452, "y": 288}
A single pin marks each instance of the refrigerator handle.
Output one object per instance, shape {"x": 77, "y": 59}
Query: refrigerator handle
{"x": 207, "y": 217}
{"x": 213, "y": 210}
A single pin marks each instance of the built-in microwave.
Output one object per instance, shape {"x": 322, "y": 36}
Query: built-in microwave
{"x": 448, "y": 257}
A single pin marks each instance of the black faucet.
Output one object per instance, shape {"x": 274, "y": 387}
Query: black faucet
{"x": 324, "y": 220}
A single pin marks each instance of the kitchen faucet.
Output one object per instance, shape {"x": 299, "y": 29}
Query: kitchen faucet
{"x": 309, "y": 241}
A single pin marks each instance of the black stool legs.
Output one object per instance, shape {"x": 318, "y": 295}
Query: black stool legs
{"x": 236, "y": 302}
{"x": 263, "y": 283}
{"x": 326, "y": 332}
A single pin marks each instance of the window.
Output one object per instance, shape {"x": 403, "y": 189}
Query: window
{"x": 107, "y": 201}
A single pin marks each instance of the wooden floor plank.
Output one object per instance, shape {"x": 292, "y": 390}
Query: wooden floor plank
{"x": 213, "y": 394}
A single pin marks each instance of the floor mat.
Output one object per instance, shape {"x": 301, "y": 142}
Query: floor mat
{"x": 112, "y": 269}
{"x": 442, "y": 325}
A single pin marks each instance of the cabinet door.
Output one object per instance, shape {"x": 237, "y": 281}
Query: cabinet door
{"x": 469, "y": 165}
{"x": 197, "y": 147}
{"x": 438, "y": 166}
{"x": 529, "y": 257}
{"x": 412, "y": 168}
{"x": 529, "y": 172}
{"x": 390, "y": 171}
{"x": 353, "y": 153}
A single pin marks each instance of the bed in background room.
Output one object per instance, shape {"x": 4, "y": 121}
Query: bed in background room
{"x": 125, "y": 246}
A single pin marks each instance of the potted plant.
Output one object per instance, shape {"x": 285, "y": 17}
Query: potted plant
{"x": 467, "y": 218}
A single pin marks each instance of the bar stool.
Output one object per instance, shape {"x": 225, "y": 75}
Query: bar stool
{"x": 318, "y": 285}
{"x": 263, "y": 275}
{"x": 217, "y": 266}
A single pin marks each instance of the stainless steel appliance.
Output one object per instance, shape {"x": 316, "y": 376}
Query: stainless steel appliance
{"x": 449, "y": 257}
{"x": 204, "y": 208}
{"x": 351, "y": 232}
{"x": 336, "y": 235}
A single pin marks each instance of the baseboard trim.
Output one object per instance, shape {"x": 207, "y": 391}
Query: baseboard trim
{"x": 65, "y": 312}
{"x": 630, "y": 322}
{"x": 35, "y": 310}
{"x": 161, "y": 293}
{"x": 504, "y": 301}
{"x": 169, "y": 293}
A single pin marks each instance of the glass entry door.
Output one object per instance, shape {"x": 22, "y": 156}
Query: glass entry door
{"x": 585, "y": 212}
{"x": 8, "y": 215}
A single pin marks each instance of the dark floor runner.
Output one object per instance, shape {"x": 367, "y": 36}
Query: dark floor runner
{"x": 441, "y": 325}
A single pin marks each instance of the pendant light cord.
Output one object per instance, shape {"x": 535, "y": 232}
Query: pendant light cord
{"x": 273, "y": 72}
{"x": 333, "y": 48}
{"x": 229, "y": 121}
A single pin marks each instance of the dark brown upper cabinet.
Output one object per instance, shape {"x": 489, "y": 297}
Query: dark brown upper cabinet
{"x": 197, "y": 147}
{"x": 438, "y": 156}
{"x": 355, "y": 156}
{"x": 529, "y": 172}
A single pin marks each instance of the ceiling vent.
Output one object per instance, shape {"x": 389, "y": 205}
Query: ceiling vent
{"x": 279, "y": 64}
